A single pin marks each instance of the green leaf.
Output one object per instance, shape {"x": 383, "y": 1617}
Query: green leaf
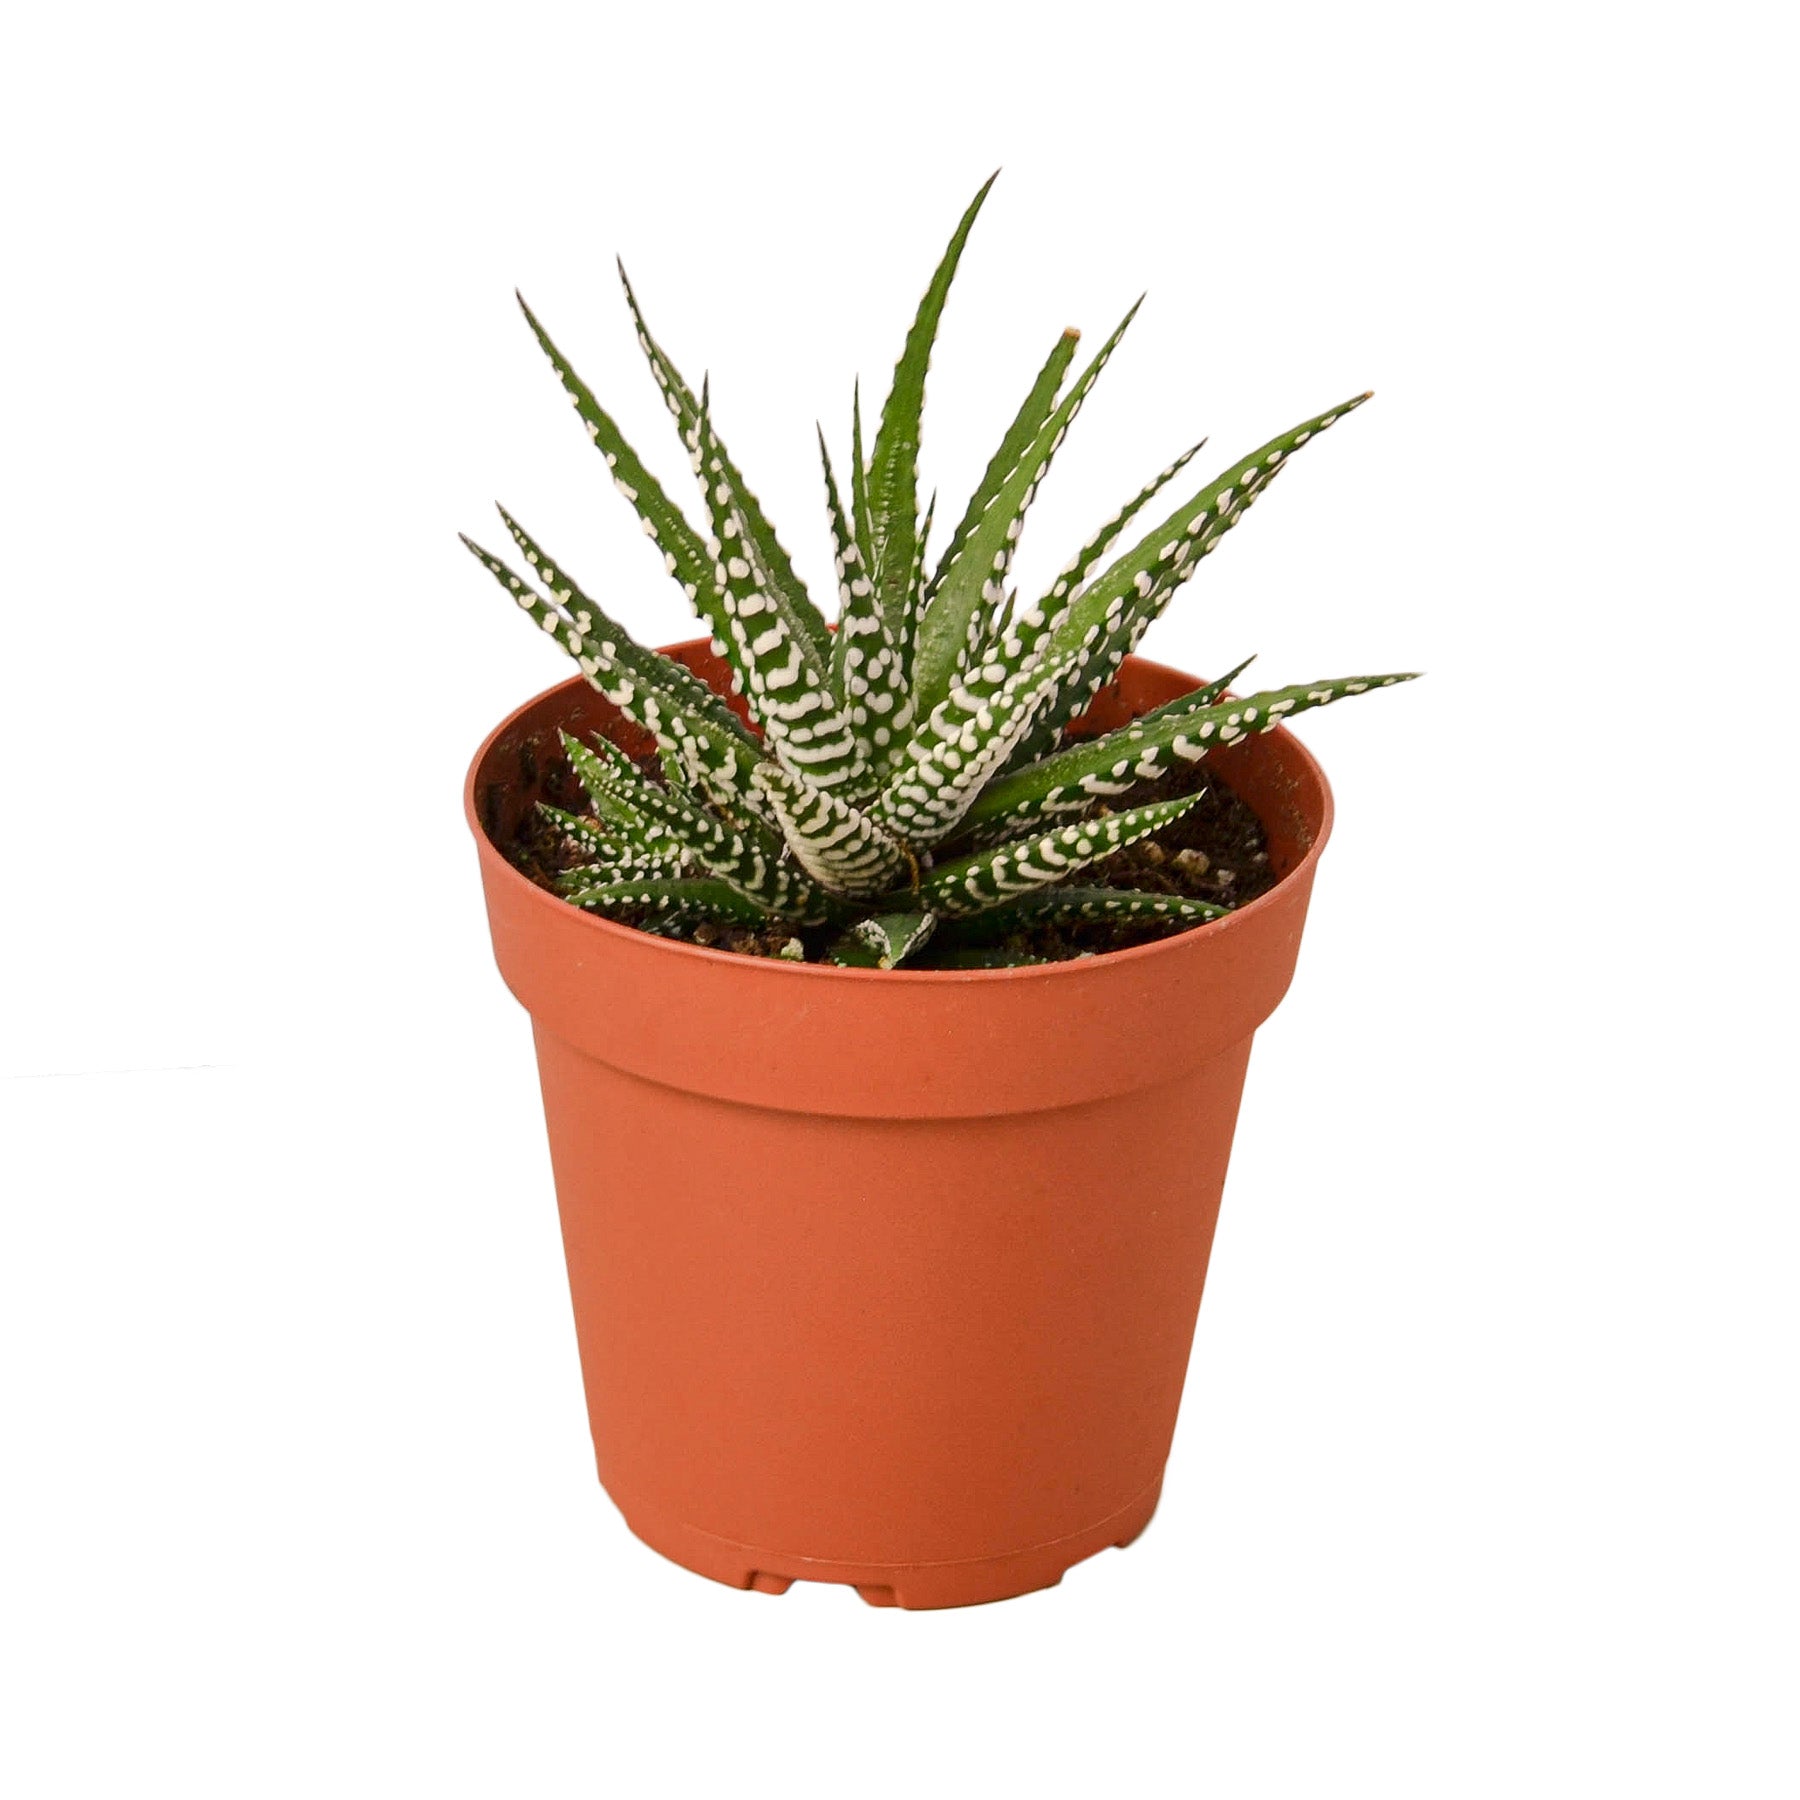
{"x": 638, "y": 831}
{"x": 859, "y": 487}
{"x": 785, "y": 681}
{"x": 1037, "y": 407}
{"x": 684, "y": 715}
{"x": 1046, "y": 736}
{"x": 693, "y": 899}
{"x": 858, "y": 616}
{"x": 1107, "y": 619}
{"x": 973, "y": 588}
{"x": 633, "y": 842}
{"x": 684, "y": 555}
{"x": 623, "y": 865}
{"x": 1017, "y": 636}
{"x": 650, "y": 667}
{"x": 587, "y": 833}
{"x": 1019, "y": 639}
{"x": 1148, "y": 748}
{"x": 956, "y": 754}
{"x": 747, "y": 855}
{"x": 883, "y": 941}
{"x": 634, "y": 679}
{"x": 866, "y": 673}
{"x": 1018, "y": 643}
{"x": 764, "y": 546}
{"x": 894, "y": 460}
{"x": 1204, "y": 695}
{"x": 1081, "y": 564}
{"x": 840, "y": 846}
{"x": 617, "y": 786}
{"x": 1080, "y": 905}
{"x": 915, "y": 582}
{"x": 973, "y": 883}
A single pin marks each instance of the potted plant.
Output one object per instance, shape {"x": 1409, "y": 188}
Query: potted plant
{"x": 888, "y": 1117}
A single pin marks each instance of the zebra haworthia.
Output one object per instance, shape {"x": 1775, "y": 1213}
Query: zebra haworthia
{"x": 910, "y": 767}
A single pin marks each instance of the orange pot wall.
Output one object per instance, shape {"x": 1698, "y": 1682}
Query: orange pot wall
{"x": 888, "y": 1278}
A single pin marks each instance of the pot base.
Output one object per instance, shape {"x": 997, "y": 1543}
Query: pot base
{"x": 916, "y": 1587}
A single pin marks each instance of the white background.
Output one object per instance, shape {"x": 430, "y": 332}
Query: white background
{"x": 1485, "y": 1481}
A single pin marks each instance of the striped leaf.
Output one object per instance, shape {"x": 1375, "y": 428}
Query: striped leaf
{"x": 1093, "y": 905}
{"x": 683, "y": 899}
{"x": 1096, "y": 666}
{"x": 588, "y": 834}
{"x": 684, "y": 555}
{"x": 640, "y": 847}
{"x": 763, "y": 546}
{"x": 841, "y": 847}
{"x": 785, "y": 679}
{"x": 858, "y": 616}
{"x": 883, "y": 941}
{"x": 973, "y": 883}
{"x": 956, "y": 754}
{"x": 747, "y": 855}
{"x": 1108, "y": 617}
{"x": 1149, "y": 747}
{"x": 642, "y": 830}
{"x": 1204, "y": 695}
{"x": 1081, "y": 564}
{"x": 866, "y": 674}
{"x": 859, "y": 487}
{"x": 1018, "y": 636}
{"x": 650, "y": 667}
{"x": 915, "y": 581}
{"x": 624, "y": 865}
{"x": 1017, "y": 643}
{"x": 894, "y": 459}
{"x": 638, "y": 683}
{"x": 1046, "y": 736}
{"x": 680, "y": 711}
{"x": 1036, "y": 408}
{"x": 973, "y": 589}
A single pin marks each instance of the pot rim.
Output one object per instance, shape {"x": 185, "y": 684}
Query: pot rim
{"x": 539, "y": 897}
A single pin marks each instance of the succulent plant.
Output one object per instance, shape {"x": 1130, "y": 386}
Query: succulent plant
{"x": 915, "y": 765}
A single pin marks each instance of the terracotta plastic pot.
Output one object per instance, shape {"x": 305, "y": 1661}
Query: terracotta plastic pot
{"x": 887, "y": 1278}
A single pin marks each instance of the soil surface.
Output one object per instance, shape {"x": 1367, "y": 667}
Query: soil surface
{"x": 1215, "y": 852}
